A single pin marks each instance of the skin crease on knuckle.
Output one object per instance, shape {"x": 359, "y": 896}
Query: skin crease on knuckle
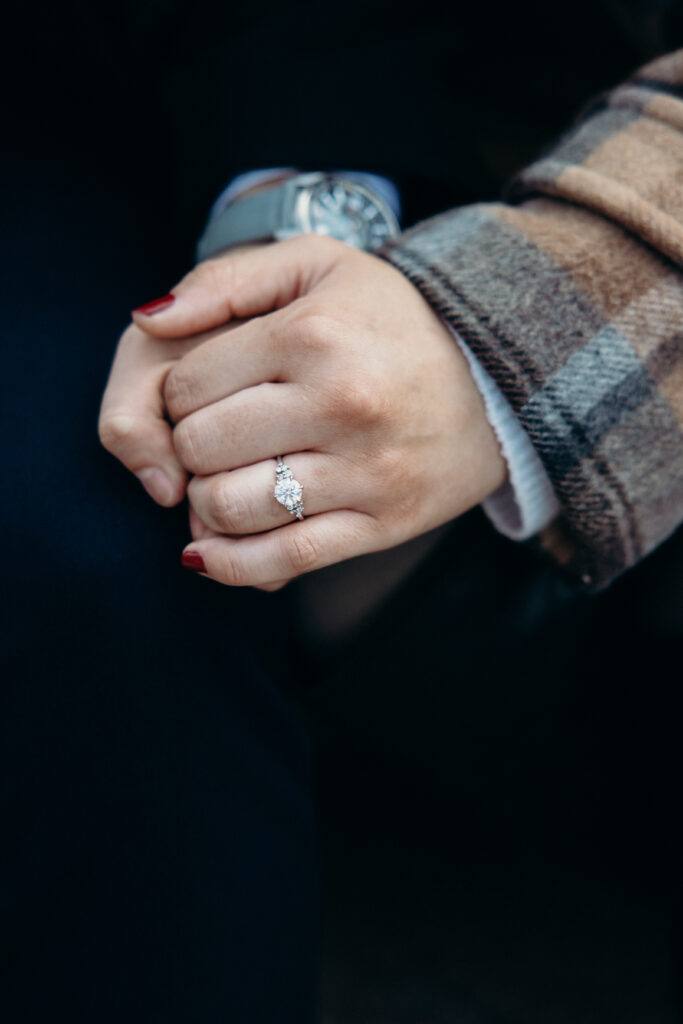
{"x": 228, "y": 511}
{"x": 179, "y": 392}
{"x": 301, "y": 554}
{"x": 187, "y": 442}
{"x": 353, "y": 402}
{"x": 372, "y": 404}
{"x": 231, "y": 569}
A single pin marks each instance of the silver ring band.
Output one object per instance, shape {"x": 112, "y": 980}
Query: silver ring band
{"x": 288, "y": 490}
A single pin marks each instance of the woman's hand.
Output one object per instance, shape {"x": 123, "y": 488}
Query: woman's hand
{"x": 133, "y": 424}
{"x": 322, "y": 354}
{"x": 351, "y": 377}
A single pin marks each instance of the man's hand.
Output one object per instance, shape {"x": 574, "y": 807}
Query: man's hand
{"x": 344, "y": 370}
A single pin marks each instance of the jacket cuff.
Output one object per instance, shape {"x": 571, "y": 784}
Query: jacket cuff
{"x": 562, "y": 308}
{"x": 526, "y": 503}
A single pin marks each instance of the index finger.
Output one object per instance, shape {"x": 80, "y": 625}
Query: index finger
{"x": 132, "y": 423}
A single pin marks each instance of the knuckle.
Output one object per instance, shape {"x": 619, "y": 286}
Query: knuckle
{"x": 233, "y": 571}
{"x": 187, "y": 444}
{"x": 229, "y": 509}
{"x": 312, "y": 331}
{"x": 369, "y": 403}
{"x": 390, "y": 466}
{"x": 335, "y": 400}
{"x": 301, "y": 552}
{"x": 399, "y": 488}
{"x": 358, "y": 402}
{"x": 179, "y": 392}
{"x": 117, "y": 430}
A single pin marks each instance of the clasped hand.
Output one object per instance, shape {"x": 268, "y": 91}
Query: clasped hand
{"x": 314, "y": 351}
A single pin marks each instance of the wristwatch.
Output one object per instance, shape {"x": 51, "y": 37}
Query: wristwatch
{"x": 316, "y": 203}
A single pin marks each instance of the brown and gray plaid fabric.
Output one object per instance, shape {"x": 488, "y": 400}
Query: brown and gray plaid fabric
{"x": 571, "y": 296}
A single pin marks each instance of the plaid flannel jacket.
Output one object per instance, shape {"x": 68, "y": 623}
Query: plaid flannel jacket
{"x": 571, "y": 296}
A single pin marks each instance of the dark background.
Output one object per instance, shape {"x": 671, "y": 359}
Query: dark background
{"x": 449, "y": 99}
{"x": 497, "y": 763}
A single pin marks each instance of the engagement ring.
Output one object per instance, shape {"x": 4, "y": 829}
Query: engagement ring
{"x": 288, "y": 491}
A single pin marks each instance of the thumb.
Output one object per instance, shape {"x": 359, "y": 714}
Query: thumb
{"x": 241, "y": 283}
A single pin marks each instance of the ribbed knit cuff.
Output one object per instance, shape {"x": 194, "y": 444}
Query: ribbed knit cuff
{"x": 526, "y": 503}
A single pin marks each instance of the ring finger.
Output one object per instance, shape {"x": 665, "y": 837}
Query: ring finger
{"x": 242, "y": 501}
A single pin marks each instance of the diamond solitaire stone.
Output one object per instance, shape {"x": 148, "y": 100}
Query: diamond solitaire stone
{"x": 288, "y": 491}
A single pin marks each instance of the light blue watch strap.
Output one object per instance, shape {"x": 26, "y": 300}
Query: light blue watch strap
{"x": 251, "y": 219}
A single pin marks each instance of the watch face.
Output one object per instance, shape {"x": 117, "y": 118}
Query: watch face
{"x": 349, "y": 212}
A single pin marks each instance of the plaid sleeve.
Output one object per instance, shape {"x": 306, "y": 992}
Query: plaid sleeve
{"x": 571, "y": 296}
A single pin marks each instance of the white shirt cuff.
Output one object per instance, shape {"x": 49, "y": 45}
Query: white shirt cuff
{"x": 526, "y": 503}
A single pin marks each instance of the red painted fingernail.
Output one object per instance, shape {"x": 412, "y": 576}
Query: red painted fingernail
{"x": 156, "y": 305}
{"x": 193, "y": 560}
